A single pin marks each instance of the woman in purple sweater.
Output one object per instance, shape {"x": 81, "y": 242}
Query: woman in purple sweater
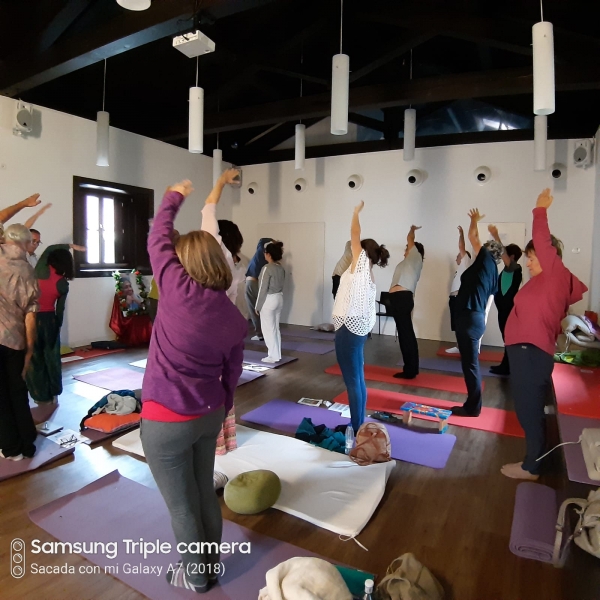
{"x": 194, "y": 363}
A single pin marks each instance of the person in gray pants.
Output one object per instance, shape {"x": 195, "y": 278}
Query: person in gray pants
{"x": 254, "y": 268}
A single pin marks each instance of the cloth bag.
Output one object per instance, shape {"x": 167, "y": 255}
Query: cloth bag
{"x": 587, "y": 531}
{"x": 408, "y": 579}
{"x": 372, "y": 445}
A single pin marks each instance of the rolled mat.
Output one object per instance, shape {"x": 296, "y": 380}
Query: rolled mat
{"x": 494, "y": 420}
{"x": 438, "y": 363}
{"x": 255, "y": 357}
{"x": 94, "y": 514}
{"x": 47, "y": 452}
{"x": 426, "y": 449}
{"x": 432, "y": 381}
{"x": 484, "y": 355}
{"x": 577, "y": 391}
{"x": 534, "y": 521}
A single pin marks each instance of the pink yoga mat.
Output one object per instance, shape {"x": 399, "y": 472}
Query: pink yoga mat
{"x": 47, "y": 452}
{"x": 114, "y": 509}
{"x": 114, "y": 379}
{"x": 427, "y": 449}
{"x": 534, "y": 520}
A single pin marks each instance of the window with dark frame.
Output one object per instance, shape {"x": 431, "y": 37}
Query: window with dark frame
{"x": 112, "y": 221}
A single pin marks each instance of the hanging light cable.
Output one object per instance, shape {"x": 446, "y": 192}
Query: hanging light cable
{"x": 217, "y": 155}
{"x": 196, "y": 118}
{"x": 410, "y": 125}
{"x": 543, "y": 66}
{"x": 102, "y": 130}
{"x": 340, "y": 86}
{"x": 300, "y": 138}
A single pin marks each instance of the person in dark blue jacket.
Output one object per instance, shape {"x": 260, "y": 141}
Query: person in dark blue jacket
{"x": 254, "y": 268}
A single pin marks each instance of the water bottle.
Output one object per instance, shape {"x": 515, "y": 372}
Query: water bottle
{"x": 349, "y": 438}
{"x": 369, "y": 584}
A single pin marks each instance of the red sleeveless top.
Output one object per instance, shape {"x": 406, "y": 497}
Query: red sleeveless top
{"x": 48, "y": 292}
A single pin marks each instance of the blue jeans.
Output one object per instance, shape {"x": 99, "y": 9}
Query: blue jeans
{"x": 470, "y": 326}
{"x": 349, "y": 351}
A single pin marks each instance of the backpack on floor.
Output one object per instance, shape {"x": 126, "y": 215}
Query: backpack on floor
{"x": 587, "y": 530}
{"x": 408, "y": 579}
{"x": 372, "y": 445}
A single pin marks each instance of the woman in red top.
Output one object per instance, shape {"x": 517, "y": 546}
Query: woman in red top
{"x": 531, "y": 332}
{"x": 53, "y": 271}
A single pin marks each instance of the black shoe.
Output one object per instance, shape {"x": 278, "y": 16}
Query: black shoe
{"x": 403, "y": 375}
{"x": 459, "y": 411}
{"x": 499, "y": 370}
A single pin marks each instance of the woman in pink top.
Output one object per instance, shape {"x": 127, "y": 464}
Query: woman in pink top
{"x": 531, "y": 332}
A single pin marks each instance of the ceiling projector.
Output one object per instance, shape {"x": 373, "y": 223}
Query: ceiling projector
{"x": 193, "y": 44}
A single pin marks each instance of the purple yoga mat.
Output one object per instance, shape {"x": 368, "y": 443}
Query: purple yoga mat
{"x": 255, "y": 357}
{"x": 309, "y": 333}
{"x": 95, "y": 514}
{"x": 100, "y": 436}
{"x": 114, "y": 379}
{"x": 534, "y": 520}
{"x": 248, "y": 376}
{"x": 427, "y": 449}
{"x": 449, "y": 365}
{"x": 570, "y": 429}
{"x": 46, "y": 453}
{"x": 308, "y": 347}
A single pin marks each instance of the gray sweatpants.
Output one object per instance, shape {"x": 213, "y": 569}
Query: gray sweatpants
{"x": 181, "y": 457}
{"x": 251, "y": 298}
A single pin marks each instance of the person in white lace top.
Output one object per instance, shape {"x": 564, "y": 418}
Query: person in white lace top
{"x": 354, "y": 316}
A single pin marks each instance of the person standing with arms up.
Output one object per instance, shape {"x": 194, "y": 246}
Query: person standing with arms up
{"x": 270, "y": 300}
{"x": 254, "y": 268}
{"x": 340, "y": 267}
{"x": 402, "y": 293}
{"x": 354, "y": 315}
{"x": 531, "y": 332}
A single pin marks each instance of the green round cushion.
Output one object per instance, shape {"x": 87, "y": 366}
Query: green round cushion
{"x": 252, "y": 492}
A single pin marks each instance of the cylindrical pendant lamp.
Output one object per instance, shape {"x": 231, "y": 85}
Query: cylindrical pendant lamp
{"x": 196, "y": 121}
{"x": 410, "y": 132}
{"x": 300, "y": 146}
{"x": 540, "y": 139}
{"x": 102, "y": 138}
{"x": 217, "y": 164}
{"x": 543, "y": 68}
{"x": 340, "y": 89}
{"x": 135, "y": 4}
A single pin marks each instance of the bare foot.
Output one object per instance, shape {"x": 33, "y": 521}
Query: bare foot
{"x": 516, "y": 471}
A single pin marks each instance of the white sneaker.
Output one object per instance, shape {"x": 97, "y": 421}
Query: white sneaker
{"x": 256, "y": 338}
{"x": 453, "y": 350}
{"x": 268, "y": 359}
{"x": 15, "y": 458}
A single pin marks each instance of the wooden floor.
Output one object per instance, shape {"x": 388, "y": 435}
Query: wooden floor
{"x": 456, "y": 520}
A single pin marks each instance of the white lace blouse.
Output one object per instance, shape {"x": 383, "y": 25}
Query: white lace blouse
{"x": 354, "y": 304}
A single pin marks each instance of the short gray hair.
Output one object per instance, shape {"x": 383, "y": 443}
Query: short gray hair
{"x": 17, "y": 233}
{"x": 496, "y": 249}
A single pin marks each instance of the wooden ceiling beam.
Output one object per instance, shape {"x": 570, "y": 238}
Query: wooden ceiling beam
{"x": 366, "y": 122}
{"x": 481, "y": 84}
{"x": 72, "y": 10}
{"x": 296, "y": 75}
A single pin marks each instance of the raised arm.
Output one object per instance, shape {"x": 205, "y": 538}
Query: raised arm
{"x": 473, "y": 233}
{"x": 505, "y": 257}
{"x": 9, "y": 212}
{"x": 209, "y": 212}
{"x": 542, "y": 241}
{"x": 160, "y": 240}
{"x": 410, "y": 238}
{"x": 355, "y": 234}
{"x": 461, "y": 242}
{"x": 31, "y": 221}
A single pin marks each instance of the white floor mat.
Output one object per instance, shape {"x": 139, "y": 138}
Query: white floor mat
{"x": 319, "y": 486}
{"x": 139, "y": 363}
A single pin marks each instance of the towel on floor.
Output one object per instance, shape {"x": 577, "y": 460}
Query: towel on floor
{"x": 322, "y": 436}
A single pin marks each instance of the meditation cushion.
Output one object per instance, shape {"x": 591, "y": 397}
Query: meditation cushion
{"x": 252, "y": 492}
{"x": 110, "y": 423}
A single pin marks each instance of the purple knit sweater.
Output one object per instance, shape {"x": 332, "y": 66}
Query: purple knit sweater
{"x": 197, "y": 345}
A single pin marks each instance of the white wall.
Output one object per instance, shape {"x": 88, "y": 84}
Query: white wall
{"x": 595, "y": 282}
{"x": 66, "y": 146}
{"x": 439, "y": 205}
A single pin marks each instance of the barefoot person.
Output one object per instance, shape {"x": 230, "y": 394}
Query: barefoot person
{"x": 477, "y": 284}
{"x": 531, "y": 332}
{"x": 194, "y": 364}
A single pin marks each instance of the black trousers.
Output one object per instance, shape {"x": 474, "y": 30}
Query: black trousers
{"x": 530, "y": 379}
{"x": 17, "y": 429}
{"x": 335, "y": 282}
{"x": 470, "y": 326}
{"x": 453, "y": 310}
{"x": 402, "y": 304}
{"x": 504, "y": 310}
